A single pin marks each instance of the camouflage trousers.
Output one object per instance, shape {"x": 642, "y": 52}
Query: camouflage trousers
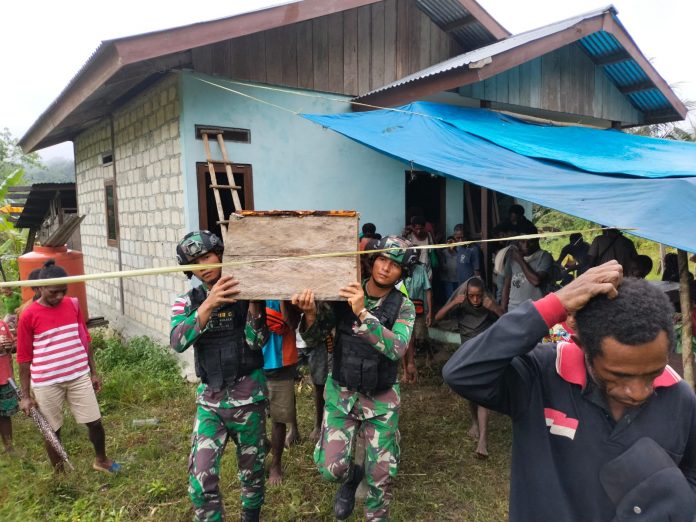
{"x": 246, "y": 426}
{"x": 332, "y": 454}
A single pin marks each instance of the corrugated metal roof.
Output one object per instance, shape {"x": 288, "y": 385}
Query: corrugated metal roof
{"x": 489, "y": 51}
{"x": 624, "y": 72}
{"x": 444, "y": 12}
{"x": 38, "y": 202}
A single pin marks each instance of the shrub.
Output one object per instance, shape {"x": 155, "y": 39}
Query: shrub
{"x": 136, "y": 372}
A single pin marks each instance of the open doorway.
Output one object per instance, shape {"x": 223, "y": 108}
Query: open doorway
{"x": 425, "y": 195}
{"x": 207, "y": 210}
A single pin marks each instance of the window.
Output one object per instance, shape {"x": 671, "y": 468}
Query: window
{"x": 107, "y": 158}
{"x": 228, "y": 133}
{"x": 111, "y": 212}
{"x": 207, "y": 208}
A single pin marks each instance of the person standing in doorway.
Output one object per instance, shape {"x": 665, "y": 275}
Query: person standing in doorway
{"x": 419, "y": 236}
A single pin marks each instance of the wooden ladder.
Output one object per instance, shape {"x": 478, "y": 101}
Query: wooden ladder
{"x": 215, "y": 185}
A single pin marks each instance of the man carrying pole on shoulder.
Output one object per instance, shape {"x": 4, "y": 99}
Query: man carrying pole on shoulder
{"x": 227, "y": 336}
{"x": 373, "y": 329}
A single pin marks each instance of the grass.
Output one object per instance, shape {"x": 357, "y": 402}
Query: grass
{"x": 439, "y": 479}
{"x": 554, "y": 220}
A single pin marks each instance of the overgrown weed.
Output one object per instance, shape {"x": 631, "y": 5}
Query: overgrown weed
{"x": 439, "y": 478}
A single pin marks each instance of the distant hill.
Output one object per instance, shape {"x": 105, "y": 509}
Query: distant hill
{"x": 54, "y": 170}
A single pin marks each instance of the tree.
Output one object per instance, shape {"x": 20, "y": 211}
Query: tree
{"x": 12, "y": 157}
{"x": 13, "y": 161}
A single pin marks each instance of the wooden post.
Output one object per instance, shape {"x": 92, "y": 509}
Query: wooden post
{"x": 663, "y": 252}
{"x": 685, "y": 302}
{"x": 485, "y": 234}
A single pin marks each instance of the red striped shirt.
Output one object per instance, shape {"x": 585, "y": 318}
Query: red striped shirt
{"x": 49, "y": 338}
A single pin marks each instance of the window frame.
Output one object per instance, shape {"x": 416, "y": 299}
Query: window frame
{"x": 111, "y": 183}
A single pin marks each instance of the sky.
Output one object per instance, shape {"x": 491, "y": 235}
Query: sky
{"x": 45, "y": 42}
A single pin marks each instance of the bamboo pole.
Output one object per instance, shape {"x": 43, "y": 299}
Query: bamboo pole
{"x": 685, "y": 302}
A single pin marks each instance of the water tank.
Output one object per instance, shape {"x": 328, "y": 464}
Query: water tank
{"x": 70, "y": 260}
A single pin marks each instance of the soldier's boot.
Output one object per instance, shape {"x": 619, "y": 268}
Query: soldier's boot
{"x": 345, "y": 497}
{"x": 250, "y": 515}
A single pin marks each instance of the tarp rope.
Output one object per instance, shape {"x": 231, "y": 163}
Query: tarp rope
{"x": 189, "y": 268}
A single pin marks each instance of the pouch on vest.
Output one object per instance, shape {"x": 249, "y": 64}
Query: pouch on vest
{"x": 357, "y": 365}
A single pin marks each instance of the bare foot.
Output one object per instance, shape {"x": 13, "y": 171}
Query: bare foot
{"x": 293, "y": 436}
{"x": 275, "y": 476}
{"x": 474, "y": 432}
{"x": 481, "y": 452}
{"x": 314, "y": 434}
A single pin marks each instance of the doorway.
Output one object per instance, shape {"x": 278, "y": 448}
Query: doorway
{"x": 425, "y": 195}
{"x": 207, "y": 210}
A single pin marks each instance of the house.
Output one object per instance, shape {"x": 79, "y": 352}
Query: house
{"x": 136, "y": 108}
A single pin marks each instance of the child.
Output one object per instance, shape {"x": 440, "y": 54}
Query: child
{"x": 476, "y": 312}
{"x": 8, "y": 397}
{"x": 280, "y": 365}
{"x": 419, "y": 290}
{"x": 54, "y": 354}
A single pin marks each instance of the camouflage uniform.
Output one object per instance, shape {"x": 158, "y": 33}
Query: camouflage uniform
{"x": 238, "y": 411}
{"x": 377, "y": 415}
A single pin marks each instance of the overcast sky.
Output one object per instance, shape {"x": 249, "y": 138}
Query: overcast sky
{"x": 45, "y": 42}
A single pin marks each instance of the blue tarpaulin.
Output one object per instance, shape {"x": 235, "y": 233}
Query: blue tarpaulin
{"x": 604, "y": 176}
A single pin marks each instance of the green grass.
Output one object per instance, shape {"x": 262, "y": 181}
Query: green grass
{"x": 553, "y": 220}
{"x": 439, "y": 479}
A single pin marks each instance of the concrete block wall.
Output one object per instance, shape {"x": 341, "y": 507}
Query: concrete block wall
{"x": 103, "y": 296}
{"x": 150, "y": 209}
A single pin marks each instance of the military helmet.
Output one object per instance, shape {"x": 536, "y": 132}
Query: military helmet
{"x": 196, "y": 244}
{"x": 406, "y": 257}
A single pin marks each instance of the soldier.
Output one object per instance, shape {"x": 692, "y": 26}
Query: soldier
{"x": 227, "y": 336}
{"x": 372, "y": 333}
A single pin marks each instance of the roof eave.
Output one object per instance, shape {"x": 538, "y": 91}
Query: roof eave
{"x": 103, "y": 65}
{"x": 454, "y": 78}
{"x": 112, "y": 55}
{"x": 485, "y": 19}
{"x": 611, "y": 25}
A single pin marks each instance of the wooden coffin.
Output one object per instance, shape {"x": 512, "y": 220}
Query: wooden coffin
{"x": 264, "y": 236}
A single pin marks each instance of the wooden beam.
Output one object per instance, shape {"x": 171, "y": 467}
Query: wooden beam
{"x": 685, "y": 304}
{"x": 102, "y": 66}
{"x": 627, "y": 43}
{"x": 150, "y": 45}
{"x": 454, "y": 78}
{"x": 113, "y": 55}
{"x": 485, "y": 234}
{"x": 611, "y": 59}
{"x": 637, "y": 87}
{"x": 487, "y": 21}
{"x": 459, "y": 24}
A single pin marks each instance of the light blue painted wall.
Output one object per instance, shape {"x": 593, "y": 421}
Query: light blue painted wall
{"x": 296, "y": 164}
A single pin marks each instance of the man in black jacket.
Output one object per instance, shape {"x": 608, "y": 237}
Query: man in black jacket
{"x": 602, "y": 428}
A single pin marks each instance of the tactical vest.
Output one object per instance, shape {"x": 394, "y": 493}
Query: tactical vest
{"x": 221, "y": 353}
{"x": 357, "y": 365}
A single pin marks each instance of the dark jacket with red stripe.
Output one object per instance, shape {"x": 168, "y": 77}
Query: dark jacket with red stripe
{"x": 564, "y": 436}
